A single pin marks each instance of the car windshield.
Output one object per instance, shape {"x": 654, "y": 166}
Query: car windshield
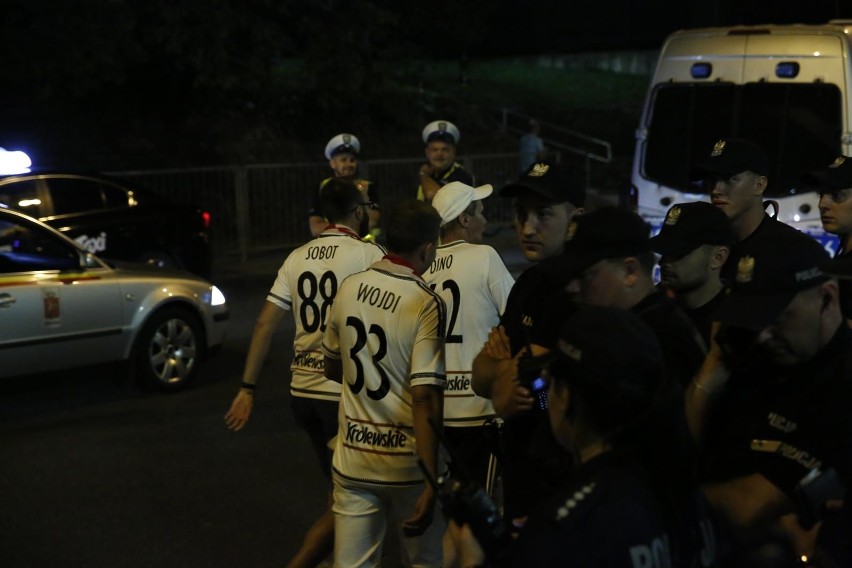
{"x": 798, "y": 124}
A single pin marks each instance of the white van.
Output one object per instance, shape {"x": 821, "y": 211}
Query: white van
{"x": 786, "y": 87}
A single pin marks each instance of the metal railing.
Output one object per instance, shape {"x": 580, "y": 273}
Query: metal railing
{"x": 264, "y": 206}
{"x": 586, "y": 147}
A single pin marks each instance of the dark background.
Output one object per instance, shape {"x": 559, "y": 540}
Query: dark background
{"x": 112, "y": 84}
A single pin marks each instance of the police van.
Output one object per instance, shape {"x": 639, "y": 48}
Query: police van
{"x": 786, "y": 87}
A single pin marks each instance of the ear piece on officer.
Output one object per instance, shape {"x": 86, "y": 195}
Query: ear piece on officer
{"x": 826, "y": 300}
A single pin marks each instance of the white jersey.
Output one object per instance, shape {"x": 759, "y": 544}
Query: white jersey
{"x": 307, "y": 283}
{"x": 475, "y": 284}
{"x": 388, "y": 326}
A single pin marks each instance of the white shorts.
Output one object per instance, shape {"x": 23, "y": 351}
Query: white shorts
{"x": 361, "y": 513}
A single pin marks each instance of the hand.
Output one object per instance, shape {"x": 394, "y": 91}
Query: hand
{"x": 498, "y": 346}
{"x": 424, "y": 510}
{"x": 469, "y": 551}
{"x": 507, "y": 395}
{"x": 426, "y": 170}
{"x": 238, "y": 415}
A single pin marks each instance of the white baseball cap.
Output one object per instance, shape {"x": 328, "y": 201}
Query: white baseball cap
{"x": 341, "y": 143}
{"x": 442, "y": 130}
{"x": 452, "y": 199}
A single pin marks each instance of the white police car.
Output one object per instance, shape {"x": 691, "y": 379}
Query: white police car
{"x": 62, "y": 307}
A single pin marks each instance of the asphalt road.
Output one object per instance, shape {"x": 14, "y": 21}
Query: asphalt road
{"x": 93, "y": 475}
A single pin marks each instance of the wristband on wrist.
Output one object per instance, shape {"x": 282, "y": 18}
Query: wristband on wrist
{"x": 248, "y": 386}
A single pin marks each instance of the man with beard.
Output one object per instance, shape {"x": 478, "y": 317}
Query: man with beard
{"x": 306, "y": 285}
{"x": 342, "y": 155}
{"x": 694, "y": 243}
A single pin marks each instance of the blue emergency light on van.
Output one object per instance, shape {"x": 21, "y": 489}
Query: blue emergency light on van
{"x": 787, "y": 70}
{"x": 701, "y": 70}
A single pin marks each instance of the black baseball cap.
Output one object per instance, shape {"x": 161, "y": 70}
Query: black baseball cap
{"x": 731, "y": 156}
{"x": 838, "y": 175}
{"x": 770, "y": 272}
{"x": 612, "y": 348}
{"x": 687, "y": 226}
{"x": 608, "y": 232}
{"x": 838, "y": 267}
{"x": 554, "y": 182}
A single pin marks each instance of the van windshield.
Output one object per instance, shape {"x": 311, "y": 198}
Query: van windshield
{"x": 798, "y": 124}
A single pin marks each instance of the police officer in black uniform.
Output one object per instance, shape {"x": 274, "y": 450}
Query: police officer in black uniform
{"x": 834, "y": 184}
{"x": 608, "y": 261}
{"x": 441, "y": 138}
{"x": 734, "y": 174}
{"x": 770, "y": 405}
{"x": 548, "y": 196}
{"x": 631, "y": 501}
{"x": 694, "y": 243}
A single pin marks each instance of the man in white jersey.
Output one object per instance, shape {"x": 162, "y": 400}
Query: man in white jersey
{"x": 474, "y": 283}
{"x": 384, "y": 340}
{"x": 306, "y": 284}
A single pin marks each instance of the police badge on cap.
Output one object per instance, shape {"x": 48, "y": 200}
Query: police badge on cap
{"x": 441, "y": 130}
{"x": 344, "y": 143}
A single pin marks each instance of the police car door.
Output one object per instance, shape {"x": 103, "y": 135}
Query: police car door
{"x": 54, "y": 312}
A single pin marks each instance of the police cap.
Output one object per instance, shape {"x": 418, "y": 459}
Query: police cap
{"x": 442, "y": 131}
{"x": 613, "y": 349}
{"x": 554, "y": 182}
{"x": 731, "y": 156}
{"x": 770, "y": 272}
{"x": 344, "y": 143}
{"x": 688, "y": 226}
{"x": 837, "y": 175}
{"x": 608, "y": 232}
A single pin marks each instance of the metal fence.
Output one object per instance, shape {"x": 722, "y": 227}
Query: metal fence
{"x": 263, "y": 207}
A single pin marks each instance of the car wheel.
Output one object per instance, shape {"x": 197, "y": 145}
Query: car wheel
{"x": 169, "y": 350}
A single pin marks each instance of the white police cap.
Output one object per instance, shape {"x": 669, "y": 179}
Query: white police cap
{"x": 442, "y": 130}
{"x": 344, "y": 142}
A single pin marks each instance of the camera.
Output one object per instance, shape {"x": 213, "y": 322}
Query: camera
{"x": 813, "y": 492}
{"x": 465, "y": 502}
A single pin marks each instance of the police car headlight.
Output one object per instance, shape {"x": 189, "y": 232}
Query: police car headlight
{"x": 217, "y": 298}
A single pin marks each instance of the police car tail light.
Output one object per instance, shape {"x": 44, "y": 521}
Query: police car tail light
{"x": 205, "y": 219}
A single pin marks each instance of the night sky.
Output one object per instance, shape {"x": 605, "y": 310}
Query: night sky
{"x": 87, "y": 80}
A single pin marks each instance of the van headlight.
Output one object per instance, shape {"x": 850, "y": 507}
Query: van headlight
{"x": 217, "y": 298}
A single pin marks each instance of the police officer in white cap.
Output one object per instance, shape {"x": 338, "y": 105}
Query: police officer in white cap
{"x": 342, "y": 155}
{"x": 441, "y": 167}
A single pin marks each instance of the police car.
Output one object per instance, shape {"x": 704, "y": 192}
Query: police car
{"x": 63, "y": 307}
{"x": 112, "y": 220}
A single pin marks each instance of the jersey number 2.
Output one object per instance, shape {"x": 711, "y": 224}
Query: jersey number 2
{"x": 453, "y": 287}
